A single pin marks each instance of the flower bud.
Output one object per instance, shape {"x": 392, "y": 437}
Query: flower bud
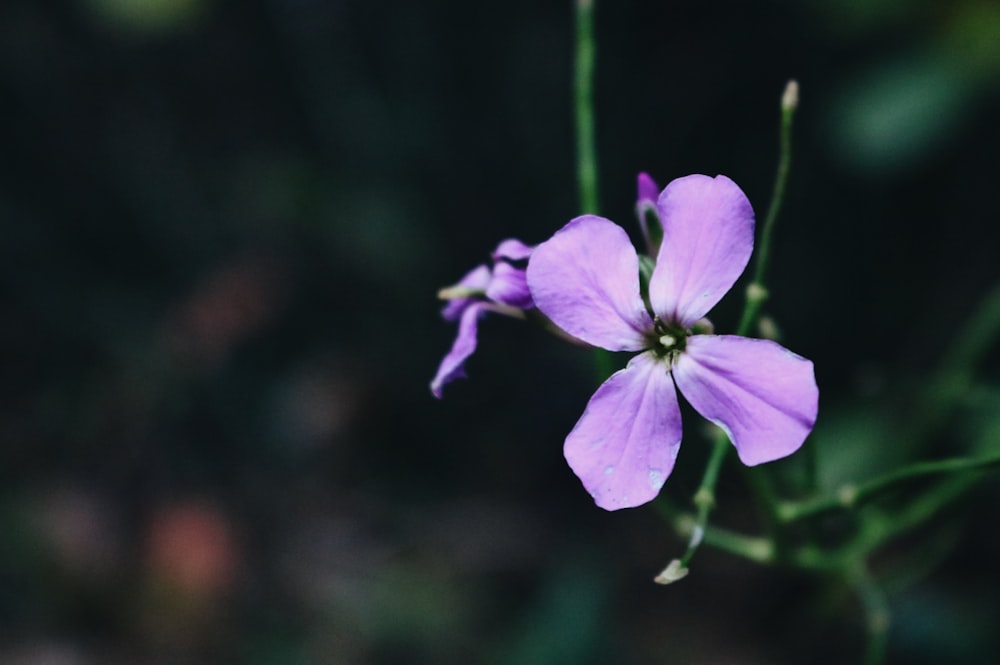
{"x": 673, "y": 572}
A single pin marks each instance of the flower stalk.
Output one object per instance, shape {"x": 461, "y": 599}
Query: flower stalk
{"x": 583, "y": 94}
{"x": 704, "y": 498}
{"x": 756, "y": 295}
{"x": 756, "y": 291}
{"x": 876, "y": 611}
{"x": 852, "y": 496}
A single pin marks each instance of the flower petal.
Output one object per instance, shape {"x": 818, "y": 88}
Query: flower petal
{"x": 763, "y": 395}
{"x": 453, "y": 364}
{"x": 512, "y": 249}
{"x": 476, "y": 279}
{"x": 509, "y": 286}
{"x": 625, "y": 443}
{"x": 707, "y": 241}
{"x": 585, "y": 278}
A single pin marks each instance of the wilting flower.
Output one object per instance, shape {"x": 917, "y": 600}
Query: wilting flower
{"x": 586, "y": 280}
{"x": 501, "y": 288}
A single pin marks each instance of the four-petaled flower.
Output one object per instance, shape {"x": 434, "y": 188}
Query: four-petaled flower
{"x": 501, "y": 289}
{"x": 586, "y": 280}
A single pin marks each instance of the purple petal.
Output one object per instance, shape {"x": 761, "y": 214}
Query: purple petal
{"x": 707, "y": 241}
{"x": 452, "y": 365}
{"x": 585, "y": 278}
{"x": 476, "y": 279}
{"x": 763, "y": 395}
{"x": 648, "y": 193}
{"x": 512, "y": 250}
{"x": 624, "y": 446}
{"x": 509, "y": 286}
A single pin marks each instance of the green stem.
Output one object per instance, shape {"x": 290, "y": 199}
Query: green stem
{"x": 604, "y": 365}
{"x": 852, "y": 496}
{"x": 756, "y": 292}
{"x": 583, "y": 93}
{"x": 917, "y": 512}
{"x": 810, "y": 458}
{"x": 586, "y": 141}
{"x": 759, "y": 550}
{"x": 766, "y": 501}
{"x": 876, "y": 610}
{"x": 877, "y": 528}
{"x": 945, "y": 393}
{"x": 704, "y": 498}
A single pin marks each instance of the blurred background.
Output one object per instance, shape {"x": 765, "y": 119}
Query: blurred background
{"x": 223, "y": 227}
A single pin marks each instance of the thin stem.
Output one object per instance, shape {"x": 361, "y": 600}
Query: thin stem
{"x": 876, "y": 610}
{"x": 877, "y": 528}
{"x": 963, "y": 357}
{"x": 586, "y": 141}
{"x": 810, "y": 458}
{"x": 852, "y": 496}
{"x": 756, "y": 292}
{"x": 978, "y": 335}
{"x": 604, "y": 364}
{"x": 917, "y": 512}
{"x": 704, "y": 498}
{"x": 759, "y": 550}
{"x": 766, "y": 501}
{"x": 583, "y": 89}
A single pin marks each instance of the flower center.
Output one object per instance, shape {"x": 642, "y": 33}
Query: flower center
{"x": 668, "y": 339}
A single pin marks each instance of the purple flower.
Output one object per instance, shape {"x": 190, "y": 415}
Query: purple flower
{"x": 501, "y": 289}
{"x": 586, "y": 280}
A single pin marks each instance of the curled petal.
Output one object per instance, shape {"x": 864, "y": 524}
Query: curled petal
{"x": 509, "y": 286}
{"x": 763, "y": 395}
{"x": 585, "y": 278}
{"x": 512, "y": 250}
{"x": 476, "y": 280}
{"x": 453, "y": 364}
{"x": 707, "y": 241}
{"x": 625, "y": 443}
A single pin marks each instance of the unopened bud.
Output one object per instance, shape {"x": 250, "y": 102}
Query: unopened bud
{"x": 790, "y": 99}
{"x": 847, "y": 495}
{"x": 768, "y": 328}
{"x": 703, "y": 327}
{"x": 756, "y": 292}
{"x": 673, "y": 572}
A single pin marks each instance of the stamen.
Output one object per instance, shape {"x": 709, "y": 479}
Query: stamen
{"x": 668, "y": 341}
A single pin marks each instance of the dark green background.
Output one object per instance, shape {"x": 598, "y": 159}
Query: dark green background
{"x": 223, "y": 226}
